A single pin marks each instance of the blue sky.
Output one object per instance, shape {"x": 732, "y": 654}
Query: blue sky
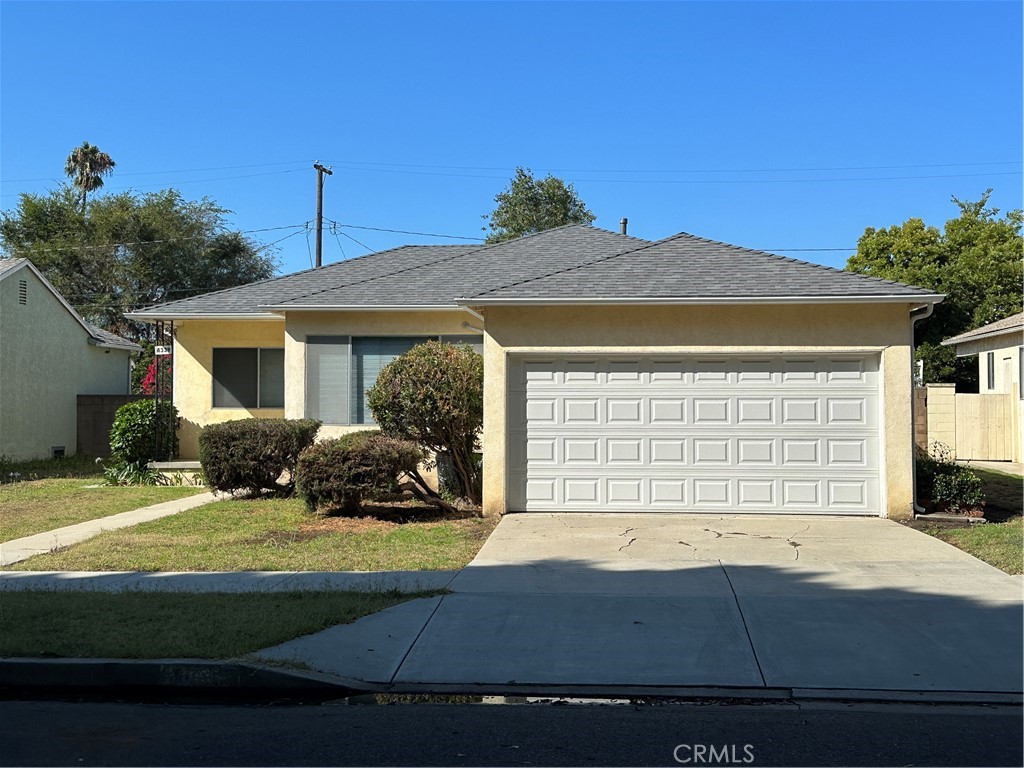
{"x": 766, "y": 124}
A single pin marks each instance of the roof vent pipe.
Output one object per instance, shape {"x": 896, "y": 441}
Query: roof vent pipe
{"x": 622, "y": 225}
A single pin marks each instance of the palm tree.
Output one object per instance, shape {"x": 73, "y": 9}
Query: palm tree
{"x": 86, "y": 166}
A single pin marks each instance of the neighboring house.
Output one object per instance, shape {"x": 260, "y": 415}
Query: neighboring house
{"x": 1000, "y": 350}
{"x": 620, "y": 374}
{"x": 48, "y": 356}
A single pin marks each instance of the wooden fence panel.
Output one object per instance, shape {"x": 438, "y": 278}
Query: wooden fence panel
{"x": 984, "y": 427}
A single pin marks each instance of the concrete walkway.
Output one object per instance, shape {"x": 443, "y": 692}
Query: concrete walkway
{"x": 1006, "y": 467}
{"x": 16, "y": 550}
{"x": 617, "y": 602}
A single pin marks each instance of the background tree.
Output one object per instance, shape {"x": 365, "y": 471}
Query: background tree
{"x": 976, "y": 262}
{"x": 132, "y": 251}
{"x": 531, "y": 205}
{"x": 86, "y": 166}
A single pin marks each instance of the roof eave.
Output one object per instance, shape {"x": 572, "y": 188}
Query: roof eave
{"x": 364, "y": 307}
{"x": 973, "y": 336}
{"x": 155, "y": 316}
{"x": 704, "y": 300}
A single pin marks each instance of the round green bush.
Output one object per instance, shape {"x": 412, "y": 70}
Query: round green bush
{"x": 144, "y": 431}
{"x": 341, "y": 473}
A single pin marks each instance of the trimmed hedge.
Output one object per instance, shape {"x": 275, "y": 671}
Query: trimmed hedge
{"x": 951, "y": 487}
{"x": 251, "y": 454}
{"x": 341, "y": 473}
{"x": 144, "y": 431}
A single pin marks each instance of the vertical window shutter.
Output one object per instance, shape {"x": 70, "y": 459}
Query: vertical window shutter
{"x": 369, "y": 355}
{"x": 991, "y": 370}
{"x": 327, "y": 379}
{"x": 271, "y": 378}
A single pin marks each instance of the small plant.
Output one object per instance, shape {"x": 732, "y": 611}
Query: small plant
{"x": 341, "y": 473}
{"x": 949, "y": 486}
{"x": 959, "y": 491}
{"x": 144, "y": 431}
{"x": 132, "y": 473}
{"x": 254, "y": 454}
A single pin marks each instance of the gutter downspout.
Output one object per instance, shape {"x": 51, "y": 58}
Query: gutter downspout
{"x": 916, "y": 315}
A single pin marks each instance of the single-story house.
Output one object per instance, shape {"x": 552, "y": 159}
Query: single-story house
{"x": 620, "y": 374}
{"x": 48, "y": 356}
{"x": 1000, "y": 350}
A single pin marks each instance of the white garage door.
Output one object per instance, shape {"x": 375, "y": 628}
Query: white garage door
{"x": 739, "y": 434}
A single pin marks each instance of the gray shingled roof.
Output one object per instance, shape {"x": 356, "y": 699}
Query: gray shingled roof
{"x": 1006, "y": 325}
{"x": 249, "y": 299}
{"x": 577, "y": 261}
{"x": 412, "y": 275}
{"x": 688, "y": 267}
{"x": 476, "y": 270}
{"x": 112, "y": 339}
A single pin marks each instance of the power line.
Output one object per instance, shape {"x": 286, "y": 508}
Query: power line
{"x": 357, "y": 242}
{"x": 704, "y": 181}
{"x": 166, "y": 240}
{"x": 405, "y": 231}
{"x": 689, "y": 170}
{"x": 178, "y": 170}
{"x": 185, "y": 181}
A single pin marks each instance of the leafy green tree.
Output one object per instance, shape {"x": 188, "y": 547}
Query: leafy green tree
{"x": 86, "y": 166}
{"x": 133, "y": 250}
{"x": 434, "y": 396}
{"x": 531, "y": 205}
{"x": 976, "y": 261}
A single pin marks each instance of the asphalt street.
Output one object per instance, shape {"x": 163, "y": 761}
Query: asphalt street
{"x": 823, "y": 734}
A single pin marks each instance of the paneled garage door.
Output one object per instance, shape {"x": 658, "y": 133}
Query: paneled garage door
{"x": 740, "y": 434}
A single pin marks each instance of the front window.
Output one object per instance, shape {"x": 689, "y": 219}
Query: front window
{"x": 248, "y": 377}
{"x": 340, "y": 369}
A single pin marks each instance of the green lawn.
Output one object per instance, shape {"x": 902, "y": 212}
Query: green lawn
{"x": 1004, "y": 494}
{"x": 36, "y": 506}
{"x": 276, "y": 535}
{"x": 999, "y": 544}
{"x": 141, "y": 625}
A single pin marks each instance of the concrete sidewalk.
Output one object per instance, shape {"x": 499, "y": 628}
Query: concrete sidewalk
{"x": 619, "y": 602}
{"x": 16, "y": 550}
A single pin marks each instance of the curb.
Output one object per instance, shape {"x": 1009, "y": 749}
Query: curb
{"x": 241, "y": 679}
{"x": 196, "y": 676}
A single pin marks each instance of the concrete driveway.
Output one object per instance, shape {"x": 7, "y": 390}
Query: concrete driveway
{"x": 680, "y": 601}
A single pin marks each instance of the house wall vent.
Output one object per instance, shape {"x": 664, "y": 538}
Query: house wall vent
{"x": 22, "y": 292}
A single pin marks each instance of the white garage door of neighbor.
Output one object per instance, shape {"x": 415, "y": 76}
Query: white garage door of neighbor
{"x": 785, "y": 434}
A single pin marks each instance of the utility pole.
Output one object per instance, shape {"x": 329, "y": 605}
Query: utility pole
{"x": 320, "y": 171}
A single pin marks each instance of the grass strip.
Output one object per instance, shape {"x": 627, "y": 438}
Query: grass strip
{"x": 998, "y": 544}
{"x": 36, "y": 506}
{"x": 272, "y": 535}
{"x": 148, "y": 625}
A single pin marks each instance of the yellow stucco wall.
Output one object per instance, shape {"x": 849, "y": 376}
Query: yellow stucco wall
{"x": 46, "y": 361}
{"x": 194, "y": 341}
{"x": 883, "y": 328}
